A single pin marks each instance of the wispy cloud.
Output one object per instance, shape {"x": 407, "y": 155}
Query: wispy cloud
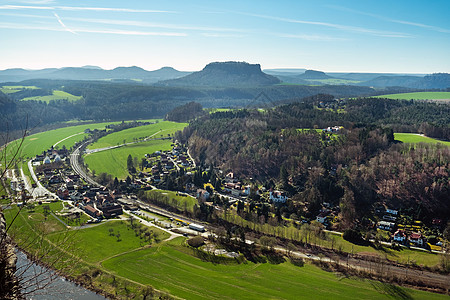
{"x": 36, "y": 1}
{"x": 87, "y": 30}
{"x": 222, "y": 35}
{"x": 347, "y": 28}
{"x": 308, "y": 37}
{"x": 63, "y": 25}
{"x": 380, "y": 17}
{"x": 211, "y": 31}
{"x": 155, "y": 25}
{"x": 84, "y": 8}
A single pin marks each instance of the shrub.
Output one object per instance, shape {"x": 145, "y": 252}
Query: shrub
{"x": 196, "y": 241}
{"x": 352, "y": 235}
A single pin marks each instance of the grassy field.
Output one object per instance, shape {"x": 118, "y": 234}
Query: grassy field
{"x": 36, "y": 143}
{"x": 214, "y": 110}
{"x": 415, "y": 138}
{"x": 333, "y": 81}
{"x": 166, "y": 267}
{"x": 92, "y": 240}
{"x": 10, "y": 89}
{"x": 56, "y": 95}
{"x": 114, "y": 161}
{"x": 123, "y": 266}
{"x": 79, "y": 252}
{"x": 418, "y": 96}
{"x": 128, "y": 135}
{"x": 178, "y": 201}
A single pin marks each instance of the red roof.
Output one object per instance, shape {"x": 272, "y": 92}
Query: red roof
{"x": 415, "y": 236}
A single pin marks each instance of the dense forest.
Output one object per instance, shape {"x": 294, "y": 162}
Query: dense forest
{"x": 355, "y": 167}
{"x": 185, "y": 112}
{"x": 121, "y": 101}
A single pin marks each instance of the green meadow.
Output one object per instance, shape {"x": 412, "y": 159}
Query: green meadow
{"x": 333, "y": 81}
{"x": 415, "y": 138}
{"x": 36, "y": 143}
{"x": 100, "y": 242}
{"x": 172, "y": 268}
{"x": 118, "y": 260}
{"x": 10, "y": 89}
{"x": 56, "y": 95}
{"x": 114, "y": 161}
{"x": 418, "y": 96}
{"x": 129, "y": 135}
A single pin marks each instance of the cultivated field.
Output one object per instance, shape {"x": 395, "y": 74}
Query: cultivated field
{"x": 418, "y": 96}
{"x": 170, "y": 267}
{"x": 10, "y": 89}
{"x": 158, "y": 130}
{"x": 36, "y": 143}
{"x": 56, "y": 95}
{"x": 114, "y": 161}
{"x": 416, "y": 138}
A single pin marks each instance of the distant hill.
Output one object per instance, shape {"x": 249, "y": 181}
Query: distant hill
{"x": 92, "y": 73}
{"x": 284, "y": 72}
{"x": 237, "y": 74}
{"x": 384, "y": 81}
{"x": 433, "y": 81}
{"x": 311, "y": 74}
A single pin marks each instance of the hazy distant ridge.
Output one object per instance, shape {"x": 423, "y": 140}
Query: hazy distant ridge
{"x": 92, "y": 73}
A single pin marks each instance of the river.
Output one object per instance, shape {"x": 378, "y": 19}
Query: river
{"x": 51, "y": 286}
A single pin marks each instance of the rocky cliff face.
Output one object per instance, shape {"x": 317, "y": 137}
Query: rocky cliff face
{"x": 231, "y": 73}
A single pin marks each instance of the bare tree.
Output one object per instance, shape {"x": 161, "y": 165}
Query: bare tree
{"x": 26, "y": 277}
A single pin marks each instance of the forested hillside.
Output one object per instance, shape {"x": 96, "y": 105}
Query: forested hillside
{"x": 356, "y": 166}
{"x": 113, "y": 101}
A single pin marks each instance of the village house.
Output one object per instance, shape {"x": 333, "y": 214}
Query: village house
{"x": 93, "y": 212}
{"x": 322, "y": 217}
{"x": 278, "y": 196}
{"x": 111, "y": 210}
{"x": 417, "y": 239}
{"x": 399, "y": 236}
{"x": 384, "y": 225}
{"x": 202, "y": 195}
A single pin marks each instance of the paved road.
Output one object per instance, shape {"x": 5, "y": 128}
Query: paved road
{"x": 193, "y": 161}
{"x": 149, "y": 224}
{"x": 39, "y": 190}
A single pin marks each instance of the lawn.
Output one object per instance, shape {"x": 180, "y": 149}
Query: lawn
{"x": 167, "y": 268}
{"x": 56, "y": 95}
{"x": 418, "y": 96}
{"x": 415, "y": 138}
{"x": 129, "y": 135}
{"x": 175, "y": 200}
{"x": 114, "y": 161}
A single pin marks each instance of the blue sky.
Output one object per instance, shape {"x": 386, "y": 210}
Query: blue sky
{"x": 361, "y": 36}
